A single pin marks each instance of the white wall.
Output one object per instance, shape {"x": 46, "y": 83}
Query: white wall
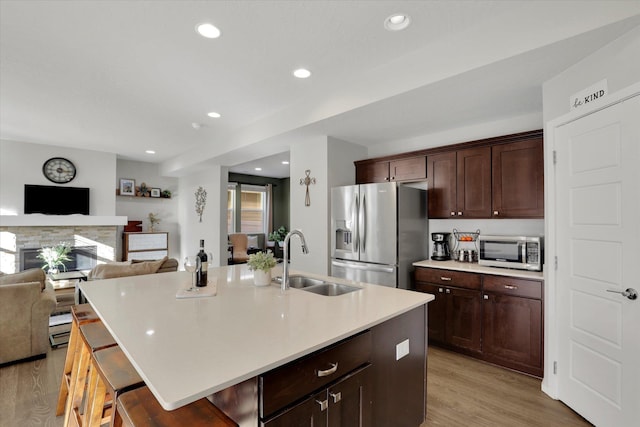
{"x": 21, "y": 163}
{"x": 138, "y": 208}
{"x": 618, "y": 63}
{"x": 331, "y": 163}
{"x": 213, "y": 228}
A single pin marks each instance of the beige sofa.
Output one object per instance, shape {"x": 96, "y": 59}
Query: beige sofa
{"x": 133, "y": 268}
{"x": 26, "y": 302}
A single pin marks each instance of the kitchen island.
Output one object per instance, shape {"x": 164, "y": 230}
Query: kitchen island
{"x": 186, "y": 349}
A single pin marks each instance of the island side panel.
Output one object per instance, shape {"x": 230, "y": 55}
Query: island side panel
{"x": 400, "y": 385}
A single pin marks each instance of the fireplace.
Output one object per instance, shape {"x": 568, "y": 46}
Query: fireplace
{"x": 82, "y": 258}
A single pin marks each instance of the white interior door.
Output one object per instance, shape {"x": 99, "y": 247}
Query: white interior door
{"x": 597, "y": 215}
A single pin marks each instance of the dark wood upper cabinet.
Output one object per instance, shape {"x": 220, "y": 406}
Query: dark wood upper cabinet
{"x": 518, "y": 179}
{"x": 372, "y": 172}
{"x": 408, "y": 169}
{"x": 474, "y": 183}
{"x": 501, "y": 177}
{"x": 441, "y": 181}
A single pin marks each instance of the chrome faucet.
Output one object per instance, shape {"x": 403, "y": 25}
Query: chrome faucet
{"x": 285, "y": 268}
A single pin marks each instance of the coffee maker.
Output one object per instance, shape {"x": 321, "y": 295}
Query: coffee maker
{"x": 440, "y": 246}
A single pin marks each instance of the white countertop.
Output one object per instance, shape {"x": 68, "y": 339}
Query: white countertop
{"x": 186, "y": 349}
{"x": 474, "y": 267}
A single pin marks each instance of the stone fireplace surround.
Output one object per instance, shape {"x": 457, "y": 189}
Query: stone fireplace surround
{"x": 13, "y": 239}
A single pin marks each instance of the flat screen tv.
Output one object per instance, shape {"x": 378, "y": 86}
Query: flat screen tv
{"x": 53, "y": 200}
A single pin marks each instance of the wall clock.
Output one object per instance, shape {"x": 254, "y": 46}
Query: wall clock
{"x": 59, "y": 170}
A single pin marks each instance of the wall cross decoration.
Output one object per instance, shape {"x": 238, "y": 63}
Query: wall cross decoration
{"x": 307, "y": 180}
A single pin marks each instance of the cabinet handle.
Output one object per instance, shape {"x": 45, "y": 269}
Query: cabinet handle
{"x": 324, "y": 404}
{"x": 453, "y": 213}
{"x": 448, "y": 291}
{"x": 496, "y": 213}
{"x": 386, "y": 178}
{"x": 510, "y": 287}
{"x": 393, "y": 178}
{"x": 441, "y": 290}
{"x": 459, "y": 213}
{"x": 486, "y": 296}
{"x": 331, "y": 370}
{"x": 336, "y": 396}
{"x": 445, "y": 279}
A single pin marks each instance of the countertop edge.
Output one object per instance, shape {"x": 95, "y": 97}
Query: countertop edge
{"x": 480, "y": 269}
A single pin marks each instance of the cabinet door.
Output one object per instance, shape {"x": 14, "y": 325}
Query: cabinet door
{"x": 436, "y": 311}
{"x": 350, "y": 400}
{"x": 474, "y": 183}
{"x": 513, "y": 331}
{"x": 408, "y": 169}
{"x": 463, "y": 326}
{"x": 372, "y": 172}
{"x": 518, "y": 179}
{"x": 311, "y": 412}
{"x": 441, "y": 181}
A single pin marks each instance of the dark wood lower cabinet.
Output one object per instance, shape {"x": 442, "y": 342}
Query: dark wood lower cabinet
{"x": 453, "y": 316}
{"x": 346, "y": 403}
{"x": 496, "y": 318}
{"x": 513, "y": 332}
{"x": 360, "y": 381}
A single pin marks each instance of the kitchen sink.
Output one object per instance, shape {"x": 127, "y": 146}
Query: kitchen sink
{"x": 300, "y": 282}
{"x": 320, "y": 287}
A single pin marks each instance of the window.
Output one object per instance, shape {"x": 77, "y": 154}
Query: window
{"x": 231, "y": 208}
{"x": 253, "y": 207}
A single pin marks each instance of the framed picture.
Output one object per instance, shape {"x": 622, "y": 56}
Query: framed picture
{"x": 155, "y": 192}
{"x": 127, "y": 187}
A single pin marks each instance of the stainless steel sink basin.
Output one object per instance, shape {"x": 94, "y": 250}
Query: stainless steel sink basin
{"x": 320, "y": 287}
{"x": 300, "y": 282}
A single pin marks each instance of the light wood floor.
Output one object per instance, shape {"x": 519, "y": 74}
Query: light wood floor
{"x": 461, "y": 392}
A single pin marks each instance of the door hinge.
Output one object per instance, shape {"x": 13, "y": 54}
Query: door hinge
{"x": 554, "y": 157}
{"x": 555, "y": 263}
{"x": 555, "y": 368}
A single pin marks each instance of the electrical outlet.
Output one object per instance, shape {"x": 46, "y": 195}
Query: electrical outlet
{"x": 402, "y": 349}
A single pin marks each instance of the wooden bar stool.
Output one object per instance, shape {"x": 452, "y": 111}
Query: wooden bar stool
{"x": 80, "y": 315}
{"x": 110, "y": 374}
{"x": 139, "y": 408}
{"x": 94, "y": 336}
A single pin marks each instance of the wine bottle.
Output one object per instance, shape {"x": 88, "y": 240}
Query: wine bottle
{"x": 201, "y": 277}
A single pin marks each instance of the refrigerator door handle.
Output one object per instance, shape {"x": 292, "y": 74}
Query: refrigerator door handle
{"x": 368, "y": 267}
{"x": 355, "y": 213}
{"x": 363, "y": 224}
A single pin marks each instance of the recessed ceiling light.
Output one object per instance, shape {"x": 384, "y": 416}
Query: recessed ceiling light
{"x": 397, "y": 22}
{"x": 302, "y": 73}
{"x": 258, "y": 169}
{"x": 208, "y": 30}
{"x": 285, "y": 162}
{"x": 150, "y": 152}
{"x": 214, "y": 115}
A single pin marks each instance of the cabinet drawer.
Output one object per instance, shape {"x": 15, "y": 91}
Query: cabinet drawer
{"x": 513, "y": 286}
{"x": 297, "y": 379}
{"x": 439, "y": 276}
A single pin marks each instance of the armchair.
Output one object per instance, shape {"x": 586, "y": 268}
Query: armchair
{"x": 26, "y": 302}
{"x": 240, "y": 243}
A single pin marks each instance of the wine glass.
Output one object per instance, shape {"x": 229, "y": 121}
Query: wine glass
{"x": 192, "y": 264}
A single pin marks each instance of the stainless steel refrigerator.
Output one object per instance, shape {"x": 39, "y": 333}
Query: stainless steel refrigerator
{"x": 377, "y": 232}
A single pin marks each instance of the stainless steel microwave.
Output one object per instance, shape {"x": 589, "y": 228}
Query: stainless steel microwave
{"x": 519, "y": 252}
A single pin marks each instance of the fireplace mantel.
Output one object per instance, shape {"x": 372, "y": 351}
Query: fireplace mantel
{"x": 39, "y": 220}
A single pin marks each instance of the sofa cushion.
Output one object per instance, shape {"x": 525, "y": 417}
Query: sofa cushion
{"x": 110, "y": 271}
{"x": 26, "y": 276}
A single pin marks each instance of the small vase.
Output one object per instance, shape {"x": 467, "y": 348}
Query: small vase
{"x": 53, "y": 270}
{"x": 262, "y": 278}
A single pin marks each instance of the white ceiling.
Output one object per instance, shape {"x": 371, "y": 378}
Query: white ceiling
{"x": 127, "y": 76}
